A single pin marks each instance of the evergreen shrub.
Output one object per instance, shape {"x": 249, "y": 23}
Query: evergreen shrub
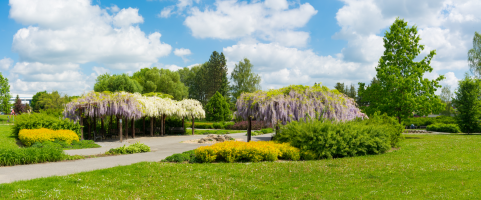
{"x": 330, "y": 139}
{"x": 448, "y": 128}
{"x": 217, "y": 109}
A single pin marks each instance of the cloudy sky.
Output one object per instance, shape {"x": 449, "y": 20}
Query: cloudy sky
{"x": 64, "y": 45}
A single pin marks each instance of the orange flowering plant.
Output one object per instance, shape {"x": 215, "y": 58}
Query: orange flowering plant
{"x": 30, "y": 136}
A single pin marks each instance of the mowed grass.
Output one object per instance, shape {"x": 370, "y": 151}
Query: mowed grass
{"x": 425, "y": 167}
{"x": 7, "y": 141}
{"x": 218, "y": 132}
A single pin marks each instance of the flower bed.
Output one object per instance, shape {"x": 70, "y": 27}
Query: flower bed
{"x": 30, "y": 136}
{"x": 246, "y": 151}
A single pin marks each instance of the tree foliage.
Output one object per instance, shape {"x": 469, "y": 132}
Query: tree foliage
{"x": 116, "y": 83}
{"x": 350, "y": 91}
{"x": 402, "y": 89}
{"x": 4, "y": 95}
{"x": 468, "y": 104}
{"x": 243, "y": 79}
{"x": 474, "y": 56}
{"x": 297, "y": 102}
{"x": 18, "y": 107}
{"x": 217, "y": 109}
{"x": 36, "y": 107}
{"x": 217, "y": 75}
{"x": 161, "y": 81}
{"x": 447, "y": 97}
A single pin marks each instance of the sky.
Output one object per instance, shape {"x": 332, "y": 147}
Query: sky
{"x": 63, "y": 45}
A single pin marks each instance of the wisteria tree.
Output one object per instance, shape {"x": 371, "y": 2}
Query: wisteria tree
{"x": 295, "y": 103}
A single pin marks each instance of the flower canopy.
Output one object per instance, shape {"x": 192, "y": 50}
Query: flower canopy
{"x": 131, "y": 106}
{"x": 297, "y": 102}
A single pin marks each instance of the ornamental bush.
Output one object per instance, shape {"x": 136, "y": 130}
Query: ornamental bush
{"x": 236, "y": 151}
{"x": 41, "y": 120}
{"x": 48, "y": 153}
{"x": 217, "y": 109}
{"x": 331, "y": 139}
{"x": 133, "y": 148}
{"x": 448, "y": 128}
{"x": 30, "y": 136}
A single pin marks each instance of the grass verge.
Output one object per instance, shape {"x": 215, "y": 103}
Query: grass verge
{"x": 7, "y": 141}
{"x": 425, "y": 167}
{"x": 218, "y": 132}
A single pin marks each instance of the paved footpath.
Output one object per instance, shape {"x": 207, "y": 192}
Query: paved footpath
{"x": 160, "y": 147}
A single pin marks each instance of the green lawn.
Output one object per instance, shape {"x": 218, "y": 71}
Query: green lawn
{"x": 3, "y": 120}
{"x": 425, "y": 167}
{"x": 6, "y": 140}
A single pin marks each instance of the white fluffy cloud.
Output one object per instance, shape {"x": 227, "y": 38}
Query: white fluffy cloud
{"x": 5, "y": 63}
{"x": 182, "y": 53}
{"x": 271, "y": 20}
{"x": 71, "y": 32}
{"x": 280, "y": 66}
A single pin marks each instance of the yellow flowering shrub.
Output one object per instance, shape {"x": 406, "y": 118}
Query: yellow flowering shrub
{"x": 30, "y": 136}
{"x": 234, "y": 151}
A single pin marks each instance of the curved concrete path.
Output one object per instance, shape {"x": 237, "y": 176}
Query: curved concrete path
{"x": 161, "y": 147}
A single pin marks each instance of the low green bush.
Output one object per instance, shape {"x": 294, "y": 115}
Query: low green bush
{"x": 82, "y": 144}
{"x": 448, "y": 128}
{"x": 42, "y": 120}
{"x": 218, "y": 125}
{"x": 48, "y": 152}
{"x": 330, "y": 139}
{"x": 133, "y": 148}
{"x": 262, "y": 131}
{"x": 182, "y": 157}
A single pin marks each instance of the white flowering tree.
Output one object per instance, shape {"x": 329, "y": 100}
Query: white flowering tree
{"x": 191, "y": 109}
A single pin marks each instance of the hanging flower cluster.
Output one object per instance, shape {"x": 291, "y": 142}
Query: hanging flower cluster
{"x": 191, "y": 108}
{"x": 131, "y": 106}
{"x": 294, "y": 103}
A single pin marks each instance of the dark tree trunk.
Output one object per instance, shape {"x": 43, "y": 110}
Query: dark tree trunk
{"x": 90, "y": 131}
{"x": 81, "y": 121}
{"x": 133, "y": 128}
{"x": 249, "y": 123}
{"x": 126, "y": 128}
{"x": 145, "y": 130}
{"x": 119, "y": 127}
{"x": 193, "y": 121}
{"x": 151, "y": 126}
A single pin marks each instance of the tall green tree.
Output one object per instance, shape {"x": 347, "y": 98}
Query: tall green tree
{"x": 196, "y": 80}
{"x": 468, "y": 104}
{"x": 350, "y": 91}
{"x": 116, "y": 83}
{"x": 52, "y": 100}
{"x": 474, "y": 56}
{"x": 402, "y": 89}
{"x": 340, "y": 87}
{"x": 217, "y": 75}
{"x": 35, "y": 99}
{"x": 363, "y": 97}
{"x": 447, "y": 97}
{"x": 169, "y": 83}
{"x": 244, "y": 79}
{"x": 5, "y": 94}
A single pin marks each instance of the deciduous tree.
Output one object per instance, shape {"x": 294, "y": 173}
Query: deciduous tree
{"x": 468, "y": 104}
{"x": 474, "y": 56}
{"x": 4, "y": 95}
{"x": 244, "y": 79}
{"x": 402, "y": 89}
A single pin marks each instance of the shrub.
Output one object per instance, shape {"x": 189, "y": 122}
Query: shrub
{"x": 218, "y": 126}
{"x": 449, "y": 128}
{"x": 262, "y": 131}
{"x": 181, "y": 157}
{"x": 217, "y": 109}
{"x": 228, "y": 125}
{"x": 329, "y": 139}
{"x": 234, "y": 151}
{"x": 41, "y": 120}
{"x": 49, "y": 152}
{"x": 256, "y": 125}
{"x": 28, "y": 136}
{"x": 133, "y": 148}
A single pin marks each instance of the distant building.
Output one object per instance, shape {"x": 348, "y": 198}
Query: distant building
{"x": 24, "y": 98}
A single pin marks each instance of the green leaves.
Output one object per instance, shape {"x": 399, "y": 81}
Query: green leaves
{"x": 401, "y": 89}
{"x": 244, "y": 80}
{"x": 217, "y": 109}
{"x": 4, "y": 94}
{"x": 468, "y": 104}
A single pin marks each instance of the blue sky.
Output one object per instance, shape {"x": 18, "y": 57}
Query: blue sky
{"x": 65, "y": 44}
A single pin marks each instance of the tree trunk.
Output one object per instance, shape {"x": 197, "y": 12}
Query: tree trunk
{"x": 133, "y": 128}
{"x": 162, "y": 126}
{"x": 111, "y": 125}
{"x": 126, "y": 128}
{"x": 119, "y": 127}
{"x": 193, "y": 121}
{"x": 90, "y": 131}
{"x": 249, "y": 122}
{"x": 102, "y": 124}
{"x": 81, "y": 121}
{"x": 151, "y": 127}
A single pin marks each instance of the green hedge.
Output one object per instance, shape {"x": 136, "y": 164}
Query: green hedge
{"x": 328, "y": 139}
{"x": 42, "y": 120}
{"x": 49, "y": 152}
{"x": 131, "y": 149}
{"x": 425, "y": 121}
{"x": 204, "y": 125}
{"x": 448, "y": 128}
